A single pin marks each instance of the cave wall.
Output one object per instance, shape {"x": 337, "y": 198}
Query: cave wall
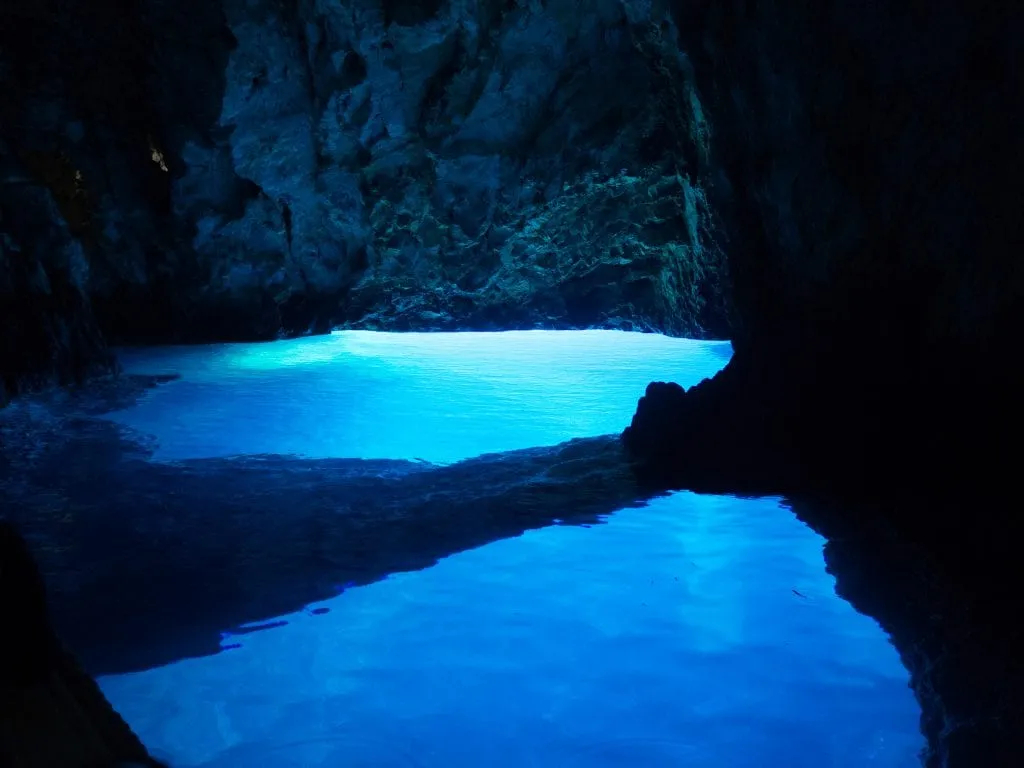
{"x": 48, "y": 335}
{"x": 465, "y": 165}
{"x": 89, "y": 92}
{"x": 247, "y": 169}
{"x": 240, "y": 170}
{"x": 865, "y": 146}
{"x": 867, "y": 162}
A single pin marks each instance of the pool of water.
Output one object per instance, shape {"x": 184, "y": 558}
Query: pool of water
{"x": 691, "y": 631}
{"x": 439, "y": 397}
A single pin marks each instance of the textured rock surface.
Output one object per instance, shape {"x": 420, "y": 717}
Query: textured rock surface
{"x": 242, "y": 169}
{"x": 868, "y": 165}
{"x": 47, "y": 331}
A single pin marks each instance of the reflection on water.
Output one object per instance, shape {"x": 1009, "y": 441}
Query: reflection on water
{"x": 680, "y": 630}
{"x": 699, "y": 631}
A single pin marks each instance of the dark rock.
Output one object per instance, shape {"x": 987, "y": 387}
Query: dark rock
{"x": 47, "y": 331}
{"x": 28, "y": 647}
{"x": 70, "y": 723}
{"x": 256, "y": 169}
{"x": 874, "y": 249}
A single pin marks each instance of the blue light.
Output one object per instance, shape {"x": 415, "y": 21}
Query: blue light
{"x": 671, "y": 635}
{"x": 438, "y": 397}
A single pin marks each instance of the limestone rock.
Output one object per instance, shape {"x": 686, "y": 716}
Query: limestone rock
{"x": 263, "y": 167}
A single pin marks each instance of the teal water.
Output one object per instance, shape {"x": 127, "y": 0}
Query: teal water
{"x": 692, "y": 631}
{"x": 440, "y": 397}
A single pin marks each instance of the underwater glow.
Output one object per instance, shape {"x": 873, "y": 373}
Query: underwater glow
{"x": 439, "y": 397}
{"x": 693, "y": 631}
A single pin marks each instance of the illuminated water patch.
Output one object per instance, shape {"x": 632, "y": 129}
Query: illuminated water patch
{"x": 696, "y": 631}
{"x": 438, "y": 397}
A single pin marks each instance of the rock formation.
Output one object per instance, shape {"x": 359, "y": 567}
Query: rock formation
{"x": 54, "y": 713}
{"x": 242, "y": 170}
{"x": 869, "y": 161}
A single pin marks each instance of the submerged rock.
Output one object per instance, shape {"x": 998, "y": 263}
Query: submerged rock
{"x": 152, "y": 561}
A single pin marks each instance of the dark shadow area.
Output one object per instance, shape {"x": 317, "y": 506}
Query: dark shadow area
{"x": 875, "y": 255}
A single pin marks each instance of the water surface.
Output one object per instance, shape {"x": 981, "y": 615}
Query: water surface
{"x": 693, "y": 631}
{"x": 440, "y": 397}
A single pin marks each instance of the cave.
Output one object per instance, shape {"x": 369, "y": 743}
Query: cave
{"x": 510, "y": 383}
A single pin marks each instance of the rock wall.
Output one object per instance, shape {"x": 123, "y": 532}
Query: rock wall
{"x": 862, "y": 147}
{"x": 249, "y": 168}
{"x": 869, "y": 163}
{"x": 47, "y": 331}
{"x": 89, "y": 93}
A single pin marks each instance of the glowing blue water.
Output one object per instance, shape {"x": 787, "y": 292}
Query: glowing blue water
{"x": 439, "y": 397}
{"x": 696, "y": 631}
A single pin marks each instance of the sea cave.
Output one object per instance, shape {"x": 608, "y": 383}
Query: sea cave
{"x": 510, "y": 383}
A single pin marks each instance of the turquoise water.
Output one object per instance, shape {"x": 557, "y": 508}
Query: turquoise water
{"x": 439, "y": 397}
{"x": 692, "y": 631}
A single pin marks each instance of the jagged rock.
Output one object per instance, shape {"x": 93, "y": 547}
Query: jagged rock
{"x": 264, "y": 168}
{"x": 47, "y": 331}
